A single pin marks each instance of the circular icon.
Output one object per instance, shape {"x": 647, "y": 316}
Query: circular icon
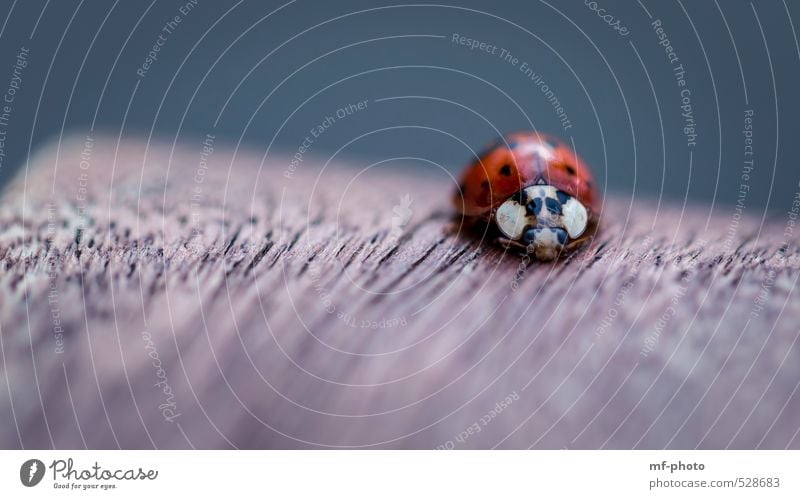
{"x": 31, "y": 472}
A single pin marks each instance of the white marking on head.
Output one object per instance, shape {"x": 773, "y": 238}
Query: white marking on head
{"x": 511, "y": 219}
{"x": 550, "y": 220}
{"x": 575, "y": 217}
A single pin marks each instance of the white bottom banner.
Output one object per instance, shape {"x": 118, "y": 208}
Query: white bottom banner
{"x": 401, "y": 474}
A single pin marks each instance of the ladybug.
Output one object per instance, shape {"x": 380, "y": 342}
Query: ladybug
{"x": 533, "y": 187}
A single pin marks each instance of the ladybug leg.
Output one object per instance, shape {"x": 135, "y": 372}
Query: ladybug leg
{"x": 511, "y": 244}
{"x": 578, "y": 242}
{"x": 516, "y": 245}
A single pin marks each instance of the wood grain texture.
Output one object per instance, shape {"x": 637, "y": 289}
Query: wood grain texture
{"x": 324, "y": 310}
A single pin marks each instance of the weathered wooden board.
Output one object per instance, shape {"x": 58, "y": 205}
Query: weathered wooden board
{"x": 165, "y": 297}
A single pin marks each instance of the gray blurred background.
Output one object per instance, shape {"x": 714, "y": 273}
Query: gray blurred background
{"x": 267, "y": 72}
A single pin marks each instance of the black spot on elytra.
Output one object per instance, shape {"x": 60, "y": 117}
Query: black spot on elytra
{"x": 553, "y": 206}
{"x": 535, "y": 206}
{"x": 570, "y": 169}
{"x": 485, "y": 184}
{"x": 505, "y": 170}
{"x": 562, "y": 196}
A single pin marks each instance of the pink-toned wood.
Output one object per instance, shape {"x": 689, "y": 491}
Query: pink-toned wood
{"x": 339, "y": 305}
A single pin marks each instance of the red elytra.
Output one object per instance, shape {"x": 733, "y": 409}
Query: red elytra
{"x": 520, "y": 160}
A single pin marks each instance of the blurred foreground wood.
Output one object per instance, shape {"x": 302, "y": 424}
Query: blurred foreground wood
{"x": 179, "y": 298}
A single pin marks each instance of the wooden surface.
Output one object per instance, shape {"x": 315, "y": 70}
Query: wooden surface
{"x": 330, "y": 310}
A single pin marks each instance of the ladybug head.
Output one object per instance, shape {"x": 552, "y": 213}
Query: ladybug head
{"x": 542, "y": 218}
